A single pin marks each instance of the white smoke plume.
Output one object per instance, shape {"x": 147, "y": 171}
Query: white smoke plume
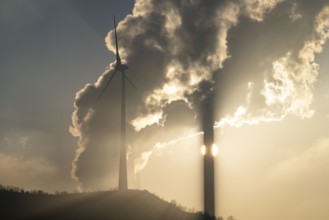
{"x": 172, "y": 48}
{"x": 183, "y": 76}
{"x": 288, "y": 87}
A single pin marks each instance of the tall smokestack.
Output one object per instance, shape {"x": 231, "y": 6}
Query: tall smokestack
{"x": 208, "y": 156}
{"x": 208, "y": 173}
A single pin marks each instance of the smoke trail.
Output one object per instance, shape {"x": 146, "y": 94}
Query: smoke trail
{"x": 158, "y": 147}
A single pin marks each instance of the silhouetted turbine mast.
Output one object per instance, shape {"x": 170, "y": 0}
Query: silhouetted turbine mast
{"x": 119, "y": 67}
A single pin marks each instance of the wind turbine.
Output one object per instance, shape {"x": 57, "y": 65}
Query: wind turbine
{"x": 120, "y": 67}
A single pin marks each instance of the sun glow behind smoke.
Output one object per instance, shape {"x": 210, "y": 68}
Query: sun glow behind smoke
{"x": 287, "y": 88}
{"x": 214, "y": 150}
{"x": 175, "y": 89}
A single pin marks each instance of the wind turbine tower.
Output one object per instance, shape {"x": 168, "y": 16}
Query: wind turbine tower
{"x": 120, "y": 67}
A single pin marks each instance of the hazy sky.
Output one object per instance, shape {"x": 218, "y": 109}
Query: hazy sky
{"x": 266, "y": 60}
{"x": 49, "y": 50}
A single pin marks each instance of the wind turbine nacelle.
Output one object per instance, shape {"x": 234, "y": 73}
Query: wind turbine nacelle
{"x": 121, "y": 67}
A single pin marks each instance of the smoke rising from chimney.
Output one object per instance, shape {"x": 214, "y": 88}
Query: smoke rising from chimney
{"x": 178, "y": 51}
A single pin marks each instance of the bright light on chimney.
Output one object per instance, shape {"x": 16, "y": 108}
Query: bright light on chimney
{"x": 203, "y": 150}
{"x": 214, "y": 150}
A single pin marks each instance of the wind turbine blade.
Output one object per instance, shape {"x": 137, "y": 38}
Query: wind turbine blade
{"x": 107, "y": 84}
{"x": 131, "y": 83}
{"x": 116, "y": 44}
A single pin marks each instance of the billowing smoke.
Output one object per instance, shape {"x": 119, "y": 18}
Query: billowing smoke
{"x": 287, "y": 87}
{"x": 178, "y": 52}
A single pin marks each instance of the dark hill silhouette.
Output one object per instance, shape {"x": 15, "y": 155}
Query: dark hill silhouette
{"x": 110, "y": 205}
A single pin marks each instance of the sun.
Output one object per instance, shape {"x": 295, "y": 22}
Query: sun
{"x": 214, "y": 150}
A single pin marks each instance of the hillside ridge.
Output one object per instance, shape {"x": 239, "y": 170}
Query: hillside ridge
{"x": 107, "y": 205}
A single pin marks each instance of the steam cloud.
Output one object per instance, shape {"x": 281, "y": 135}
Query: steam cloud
{"x": 287, "y": 88}
{"x": 178, "y": 51}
